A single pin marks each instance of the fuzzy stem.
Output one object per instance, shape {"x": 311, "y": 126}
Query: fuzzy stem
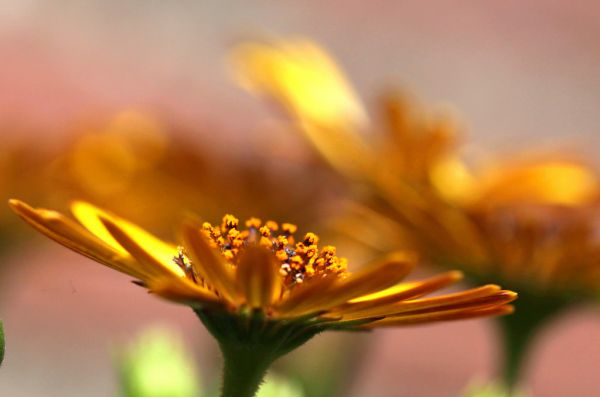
{"x": 250, "y": 343}
{"x": 243, "y": 370}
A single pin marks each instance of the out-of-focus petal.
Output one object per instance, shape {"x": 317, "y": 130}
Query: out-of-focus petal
{"x": 549, "y": 182}
{"x": 301, "y": 77}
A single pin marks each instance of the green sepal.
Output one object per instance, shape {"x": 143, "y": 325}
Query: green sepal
{"x": 250, "y": 342}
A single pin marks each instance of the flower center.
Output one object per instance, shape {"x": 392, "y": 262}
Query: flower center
{"x": 298, "y": 260}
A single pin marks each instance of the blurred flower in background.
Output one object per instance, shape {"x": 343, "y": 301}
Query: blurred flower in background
{"x": 531, "y": 224}
{"x": 156, "y": 174}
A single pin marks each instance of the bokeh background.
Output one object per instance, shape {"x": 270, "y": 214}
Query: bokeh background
{"x": 522, "y": 75}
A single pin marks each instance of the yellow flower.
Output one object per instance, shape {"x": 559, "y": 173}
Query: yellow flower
{"x": 259, "y": 286}
{"x": 137, "y": 157}
{"x": 258, "y": 290}
{"x": 234, "y": 270}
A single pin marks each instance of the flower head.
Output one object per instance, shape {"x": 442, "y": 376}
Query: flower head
{"x": 528, "y": 223}
{"x": 260, "y": 290}
{"x": 263, "y": 267}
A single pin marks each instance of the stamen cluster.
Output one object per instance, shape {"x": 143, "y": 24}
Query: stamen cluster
{"x": 299, "y": 260}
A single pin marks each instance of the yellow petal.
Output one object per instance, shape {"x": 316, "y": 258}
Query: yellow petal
{"x": 90, "y": 217}
{"x": 411, "y": 290}
{"x": 73, "y": 236}
{"x": 309, "y": 85}
{"x": 552, "y": 182}
{"x": 302, "y": 77}
{"x": 257, "y": 277}
{"x": 145, "y": 258}
{"x": 452, "y": 179}
{"x": 212, "y": 266}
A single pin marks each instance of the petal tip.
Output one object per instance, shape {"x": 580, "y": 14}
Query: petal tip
{"x": 13, "y": 202}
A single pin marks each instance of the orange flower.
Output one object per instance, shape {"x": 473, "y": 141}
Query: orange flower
{"x": 263, "y": 268}
{"x": 528, "y": 222}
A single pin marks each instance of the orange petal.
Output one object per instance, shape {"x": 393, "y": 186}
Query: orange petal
{"x": 68, "y": 233}
{"x": 375, "y": 277}
{"x": 410, "y": 290}
{"x": 212, "y": 266}
{"x": 302, "y": 294}
{"x": 182, "y": 291}
{"x": 257, "y": 276}
{"x": 477, "y": 297}
{"x": 497, "y": 299}
{"x": 457, "y": 314}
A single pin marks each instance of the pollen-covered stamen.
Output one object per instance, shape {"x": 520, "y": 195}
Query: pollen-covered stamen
{"x": 185, "y": 264}
{"x": 299, "y": 261}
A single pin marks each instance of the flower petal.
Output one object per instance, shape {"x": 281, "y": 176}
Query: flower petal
{"x": 410, "y": 290}
{"x": 302, "y": 295}
{"x": 308, "y": 84}
{"x": 73, "y": 236}
{"x": 183, "y": 291}
{"x": 457, "y": 314}
{"x": 90, "y": 217}
{"x": 476, "y": 297}
{"x": 145, "y": 258}
{"x": 379, "y": 275}
{"x": 257, "y": 276}
{"x": 212, "y": 266}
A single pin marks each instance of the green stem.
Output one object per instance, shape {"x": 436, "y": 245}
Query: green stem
{"x": 243, "y": 370}
{"x": 250, "y": 343}
{"x": 1, "y": 343}
{"x": 520, "y": 329}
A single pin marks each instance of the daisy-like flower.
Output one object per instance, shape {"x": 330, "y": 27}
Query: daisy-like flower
{"x": 136, "y": 157}
{"x": 260, "y": 291}
{"x": 530, "y": 224}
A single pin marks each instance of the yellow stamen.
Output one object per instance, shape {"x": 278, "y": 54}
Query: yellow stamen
{"x": 297, "y": 261}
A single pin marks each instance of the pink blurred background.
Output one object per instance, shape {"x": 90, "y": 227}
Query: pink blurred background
{"x": 522, "y": 74}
